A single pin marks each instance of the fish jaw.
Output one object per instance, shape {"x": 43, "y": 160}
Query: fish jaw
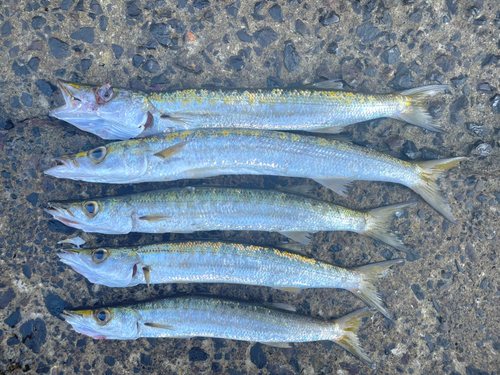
{"x": 81, "y": 323}
{"x": 62, "y": 213}
{"x": 124, "y": 115}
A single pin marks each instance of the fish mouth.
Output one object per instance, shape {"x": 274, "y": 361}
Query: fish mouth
{"x": 69, "y": 92}
{"x": 62, "y": 214}
{"x": 78, "y": 320}
{"x": 63, "y": 168}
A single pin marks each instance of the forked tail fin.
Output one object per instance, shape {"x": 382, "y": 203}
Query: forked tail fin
{"x": 349, "y": 326}
{"x": 417, "y": 114}
{"x": 378, "y": 224}
{"x": 366, "y": 289}
{"x": 427, "y": 187}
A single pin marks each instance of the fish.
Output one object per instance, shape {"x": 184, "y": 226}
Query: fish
{"x": 118, "y": 114}
{"x": 199, "y": 316}
{"x": 192, "y": 209}
{"x": 210, "y": 152}
{"x": 221, "y": 262}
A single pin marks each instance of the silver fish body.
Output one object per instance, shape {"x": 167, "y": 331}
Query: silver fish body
{"x": 96, "y": 109}
{"x": 212, "y": 152}
{"x": 192, "y": 209}
{"x": 193, "y": 316}
{"x": 219, "y": 262}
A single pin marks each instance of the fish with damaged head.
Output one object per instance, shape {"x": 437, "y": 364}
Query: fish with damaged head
{"x": 221, "y": 262}
{"x": 211, "y": 152}
{"x": 195, "y": 316}
{"x": 190, "y": 209}
{"x": 113, "y": 113}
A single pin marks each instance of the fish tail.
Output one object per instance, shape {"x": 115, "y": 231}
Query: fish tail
{"x": 417, "y": 114}
{"x": 349, "y": 326}
{"x": 427, "y": 187}
{"x": 378, "y": 224}
{"x": 366, "y": 289}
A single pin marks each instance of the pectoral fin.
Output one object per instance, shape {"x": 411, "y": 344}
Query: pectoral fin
{"x": 171, "y": 151}
{"x": 301, "y": 237}
{"x": 147, "y": 275}
{"x": 338, "y": 185}
{"x": 281, "y": 306}
{"x": 161, "y": 326}
{"x": 153, "y": 218}
{"x": 277, "y": 344}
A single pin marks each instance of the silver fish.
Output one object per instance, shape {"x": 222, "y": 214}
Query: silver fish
{"x": 220, "y": 262}
{"x": 185, "y": 317}
{"x": 113, "y": 113}
{"x": 211, "y": 152}
{"x": 192, "y": 209}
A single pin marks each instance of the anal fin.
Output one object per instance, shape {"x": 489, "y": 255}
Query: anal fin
{"x": 338, "y": 185}
{"x": 171, "y": 151}
{"x": 301, "y": 237}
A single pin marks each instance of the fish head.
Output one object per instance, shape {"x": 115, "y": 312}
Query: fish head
{"x": 106, "y": 266}
{"x": 108, "y": 112}
{"x": 119, "y": 323}
{"x": 107, "y": 215}
{"x": 118, "y": 162}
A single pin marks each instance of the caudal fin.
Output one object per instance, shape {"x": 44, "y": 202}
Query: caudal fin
{"x": 349, "y": 326}
{"x": 427, "y": 187}
{"x": 366, "y": 289}
{"x": 378, "y": 224}
{"x": 417, "y": 114}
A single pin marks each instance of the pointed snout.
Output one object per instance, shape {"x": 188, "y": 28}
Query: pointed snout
{"x": 64, "y": 165}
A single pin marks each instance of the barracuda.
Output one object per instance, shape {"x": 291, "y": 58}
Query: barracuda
{"x": 113, "y": 113}
{"x": 192, "y": 209}
{"x": 219, "y": 262}
{"x": 185, "y": 317}
{"x": 210, "y": 152}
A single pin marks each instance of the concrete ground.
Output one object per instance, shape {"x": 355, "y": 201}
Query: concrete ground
{"x": 444, "y": 299}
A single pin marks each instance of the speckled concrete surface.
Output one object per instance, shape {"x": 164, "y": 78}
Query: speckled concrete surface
{"x": 444, "y": 299}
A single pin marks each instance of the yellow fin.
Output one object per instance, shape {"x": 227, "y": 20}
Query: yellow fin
{"x": 171, "y": 151}
{"x": 161, "y": 326}
{"x": 147, "y": 275}
{"x": 289, "y": 289}
{"x": 338, "y": 185}
{"x": 301, "y": 237}
{"x": 277, "y": 344}
{"x": 153, "y": 218}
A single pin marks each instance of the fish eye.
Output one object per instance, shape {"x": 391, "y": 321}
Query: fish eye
{"x": 91, "y": 208}
{"x": 98, "y": 154}
{"x": 104, "y": 94}
{"x": 102, "y": 316}
{"x": 99, "y": 255}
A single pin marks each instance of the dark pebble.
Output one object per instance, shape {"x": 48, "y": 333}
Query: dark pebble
{"x": 133, "y": 9}
{"x": 177, "y": 25}
{"x": 490, "y": 59}
{"x": 403, "y": 78}
{"x": 137, "y": 61}
{"x": 416, "y": 16}
{"x": 495, "y": 104}
{"x": 118, "y": 50}
{"x": 11, "y": 341}
{"x": 391, "y": 56}
{"x": 103, "y": 23}
{"x": 329, "y": 19}
{"x": 387, "y": 254}
{"x": 85, "y": 65}
{"x": 301, "y": 28}
{"x": 481, "y": 21}
{"x": 55, "y": 304}
{"x": 79, "y": 6}
{"x": 471, "y": 370}
{"x": 161, "y": 33}
{"x": 200, "y": 4}
{"x": 85, "y": 34}
{"x": 5, "y": 124}
{"x": 6, "y": 29}
{"x": 244, "y": 37}
{"x": 67, "y": 4}
{"x": 217, "y": 367}
{"x": 367, "y": 32}
{"x": 33, "y": 63}
{"x": 33, "y": 334}
{"x": 332, "y": 48}
{"x": 484, "y": 149}
{"x": 257, "y": 356}
{"x": 58, "y": 227}
{"x": 59, "y": 49}
{"x": 436, "y": 76}
{"x": 38, "y": 22}
{"x": 237, "y": 62}
{"x": 484, "y": 88}
{"x": 446, "y": 63}
{"x": 274, "y": 82}
{"x": 428, "y": 154}
{"x": 33, "y": 199}
{"x": 436, "y": 109}
{"x": 395, "y": 142}
{"x": 188, "y": 64}
{"x": 459, "y": 104}
{"x": 477, "y": 129}
{"x": 26, "y": 271}
{"x": 256, "y": 11}
{"x": 418, "y": 292}
{"x": 232, "y": 11}
{"x": 16, "y": 103}
{"x": 45, "y": 87}
{"x": 410, "y": 150}
{"x": 266, "y": 36}
{"x": 459, "y": 81}
{"x": 276, "y": 13}
{"x": 20, "y": 70}
{"x": 471, "y": 253}
{"x": 146, "y": 360}
{"x": 436, "y": 305}
{"x": 151, "y": 65}
{"x": 13, "y": 318}
{"x": 110, "y": 361}
{"x": 37, "y": 45}
{"x": 197, "y": 355}
{"x": 160, "y": 79}
{"x": 291, "y": 57}
{"x": 26, "y": 99}
{"x": 452, "y": 6}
